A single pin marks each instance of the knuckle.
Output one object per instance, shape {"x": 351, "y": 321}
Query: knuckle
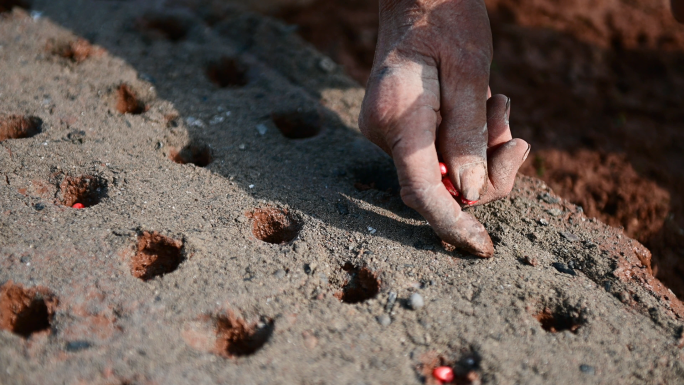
{"x": 417, "y": 195}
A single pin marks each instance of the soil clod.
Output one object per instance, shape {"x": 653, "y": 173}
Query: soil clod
{"x": 236, "y": 338}
{"x": 361, "y": 286}
{"x": 18, "y": 127}
{"x": 274, "y": 226}
{"x": 86, "y": 190}
{"x": 557, "y": 321}
{"x": 25, "y": 311}
{"x": 227, "y": 72}
{"x": 156, "y": 255}
{"x": 298, "y": 124}
{"x": 127, "y": 102}
{"x": 77, "y": 51}
{"x": 199, "y": 155}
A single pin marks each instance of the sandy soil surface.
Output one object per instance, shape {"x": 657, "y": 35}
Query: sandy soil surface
{"x": 237, "y": 228}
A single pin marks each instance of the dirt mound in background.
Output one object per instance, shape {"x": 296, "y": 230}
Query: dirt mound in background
{"x": 584, "y": 77}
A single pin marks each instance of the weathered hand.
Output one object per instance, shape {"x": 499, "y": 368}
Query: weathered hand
{"x": 428, "y": 92}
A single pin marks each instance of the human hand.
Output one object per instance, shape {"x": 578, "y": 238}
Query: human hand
{"x": 428, "y": 92}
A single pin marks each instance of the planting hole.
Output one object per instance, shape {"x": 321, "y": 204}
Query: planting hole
{"x": 86, "y": 190}
{"x": 76, "y": 51}
{"x": 7, "y": 5}
{"x": 156, "y": 255}
{"x": 25, "y": 311}
{"x": 18, "y": 127}
{"x": 127, "y": 102}
{"x": 197, "y": 155}
{"x": 227, "y": 72}
{"x": 297, "y": 124}
{"x": 558, "y": 321}
{"x": 168, "y": 26}
{"x": 236, "y": 338}
{"x": 362, "y": 285}
{"x": 274, "y": 226}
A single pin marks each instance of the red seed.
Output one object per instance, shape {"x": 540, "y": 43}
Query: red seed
{"x": 443, "y": 169}
{"x": 78, "y": 205}
{"x": 443, "y": 373}
{"x": 449, "y": 186}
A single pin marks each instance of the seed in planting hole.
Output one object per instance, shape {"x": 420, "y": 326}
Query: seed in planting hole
{"x": 84, "y": 190}
{"x": 361, "y": 286}
{"x": 25, "y": 311}
{"x": 18, "y": 127}
{"x": 555, "y": 322}
{"x": 156, "y": 255}
{"x": 170, "y": 27}
{"x": 236, "y": 338}
{"x": 443, "y": 373}
{"x": 274, "y": 226}
{"x": 227, "y": 72}
{"x": 7, "y": 5}
{"x": 127, "y": 102}
{"x": 298, "y": 124}
{"x": 78, "y": 206}
{"x": 197, "y": 155}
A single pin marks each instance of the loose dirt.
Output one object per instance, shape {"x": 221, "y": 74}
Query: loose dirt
{"x": 256, "y": 307}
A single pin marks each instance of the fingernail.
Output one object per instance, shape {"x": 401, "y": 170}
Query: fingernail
{"x": 472, "y": 179}
{"x": 529, "y": 147}
{"x": 508, "y": 110}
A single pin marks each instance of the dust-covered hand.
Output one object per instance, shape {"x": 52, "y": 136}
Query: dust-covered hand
{"x": 428, "y": 94}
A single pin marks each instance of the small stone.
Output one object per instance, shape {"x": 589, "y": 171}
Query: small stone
{"x": 372, "y": 230}
{"x": 242, "y": 146}
{"x": 326, "y": 65}
{"x": 543, "y": 222}
{"x": 280, "y": 273}
{"x": 588, "y": 369}
{"x": 391, "y": 299}
{"x": 569, "y": 236}
{"x": 563, "y": 268}
{"x": 74, "y": 346}
{"x": 416, "y": 301}
{"x": 530, "y": 260}
{"x": 310, "y": 341}
{"x": 261, "y": 129}
{"x": 384, "y": 319}
{"x": 548, "y": 198}
{"x": 39, "y": 206}
{"x": 555, "y": 212}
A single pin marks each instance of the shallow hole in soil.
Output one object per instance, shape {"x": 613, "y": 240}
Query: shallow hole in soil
{"x": 77, "y": 51}
{"x": 236, "y": 338}
{"x": 25, "y": 311}
{"x": 298, "y": 124}
{"x": 86, "y": 190}
{"x": 361, "y": 286}
{"x": 274, "y": 225}
{"x": 199, "y": 155}
{"x": 557, "y": 321}
{"x": 227, "y": 72}
{"x": 7, "y": 5}
{"x": 155, "y": 255}
{"x": 18, "y": 126}
{"x": 170, "y": 27}
{"x": 127, "y": 101}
